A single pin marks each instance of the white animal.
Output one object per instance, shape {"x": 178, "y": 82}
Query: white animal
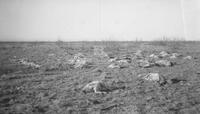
{"x": 114, "y": 65}
{"x": 163, "y": 63}
{"x": 95, "y": 86}
{"x": 188, "y": 57}
{"x": 163, "y": 54}
{"x": 152, "y": 77}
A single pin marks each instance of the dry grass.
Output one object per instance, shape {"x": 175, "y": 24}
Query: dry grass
{"x": 58, "y": 90}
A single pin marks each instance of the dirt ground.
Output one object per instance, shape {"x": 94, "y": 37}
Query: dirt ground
{"x": 56, "y": 88}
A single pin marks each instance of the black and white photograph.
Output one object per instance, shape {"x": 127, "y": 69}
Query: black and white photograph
{"x": 99, "y": 56}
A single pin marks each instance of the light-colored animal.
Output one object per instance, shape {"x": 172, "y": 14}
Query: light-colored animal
{"x": 163, "y": 63}
{"x": 95, "y": 86}
{"x": 163, "y": 54}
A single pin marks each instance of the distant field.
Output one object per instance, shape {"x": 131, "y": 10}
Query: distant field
{"x": 55, "y": 87}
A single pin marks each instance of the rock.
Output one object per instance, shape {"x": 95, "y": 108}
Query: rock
{"x": 96, "y": 87}
{"x": 163, "y": 54}
{"x": 163, "y": 63}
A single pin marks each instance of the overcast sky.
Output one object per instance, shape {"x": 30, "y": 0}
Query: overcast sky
{"x": 72, "y": 20}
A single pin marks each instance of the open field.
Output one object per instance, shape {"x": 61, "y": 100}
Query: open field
{"x": 36, "y": 78}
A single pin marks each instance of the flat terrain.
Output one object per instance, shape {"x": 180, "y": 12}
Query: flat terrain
{"x": 55, "y": 87}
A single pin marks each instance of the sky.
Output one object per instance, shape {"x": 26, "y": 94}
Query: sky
{"x": 94, "y": 20}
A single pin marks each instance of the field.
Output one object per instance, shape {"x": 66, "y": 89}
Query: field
{"x": 36, "y": 78}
